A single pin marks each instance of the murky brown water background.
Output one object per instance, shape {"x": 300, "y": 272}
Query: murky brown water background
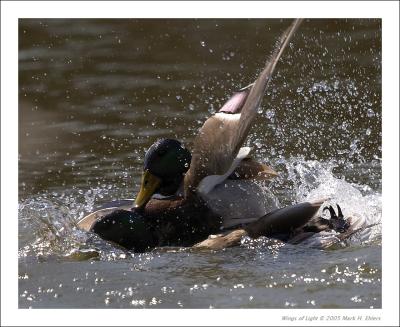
{"x": 94, "y": 94}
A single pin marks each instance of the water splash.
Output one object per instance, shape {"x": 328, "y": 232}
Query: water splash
{"x": 313, "y": 180}
{"x": 50, "y": 220}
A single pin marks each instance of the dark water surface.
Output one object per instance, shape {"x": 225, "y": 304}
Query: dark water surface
{"x": 95, "y": 94}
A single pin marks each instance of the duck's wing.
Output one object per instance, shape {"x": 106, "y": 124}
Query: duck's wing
{"x": 222, "y": 135}
{"x": 88, "y": 221}
{"x": 284, "y": 221}
{"x": 277, "y": 224}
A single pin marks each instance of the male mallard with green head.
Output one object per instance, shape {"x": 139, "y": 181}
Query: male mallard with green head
{"x": 207, "y": 190}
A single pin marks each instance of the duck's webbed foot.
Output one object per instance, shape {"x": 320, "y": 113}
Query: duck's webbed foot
{"x": 337, "y": 222}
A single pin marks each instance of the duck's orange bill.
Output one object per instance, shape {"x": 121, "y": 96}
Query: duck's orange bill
{"x": 150, "y": 183}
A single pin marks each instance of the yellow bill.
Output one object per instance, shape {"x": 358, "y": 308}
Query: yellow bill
{"x": 149, "y": 185}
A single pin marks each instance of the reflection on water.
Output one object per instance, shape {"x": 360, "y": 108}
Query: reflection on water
{"x": 234, "y": 278}
{"x": 94, "y": 94}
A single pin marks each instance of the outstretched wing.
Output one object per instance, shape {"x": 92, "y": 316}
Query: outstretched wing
{"x": 222, "y": 135}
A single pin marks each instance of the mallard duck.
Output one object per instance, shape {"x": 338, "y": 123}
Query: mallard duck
{"x": 186, "y": 196}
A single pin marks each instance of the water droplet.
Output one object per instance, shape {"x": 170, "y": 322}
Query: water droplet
{"x": 270, "y": 114}
{"x": 370, "y": 113}
{"x": 336, "y": 85}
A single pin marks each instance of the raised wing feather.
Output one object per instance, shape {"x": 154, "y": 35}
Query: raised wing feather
{"x": 222, "y": 135}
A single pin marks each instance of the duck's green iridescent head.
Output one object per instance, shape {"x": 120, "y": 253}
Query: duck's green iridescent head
{"x": 165, "y": 165}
